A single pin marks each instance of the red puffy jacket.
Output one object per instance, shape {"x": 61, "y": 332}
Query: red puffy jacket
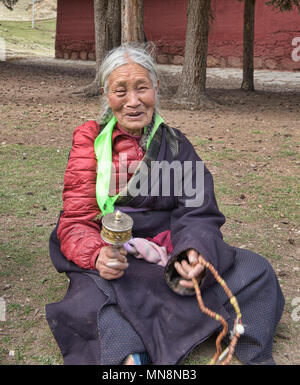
{"x": 78, "y": 231}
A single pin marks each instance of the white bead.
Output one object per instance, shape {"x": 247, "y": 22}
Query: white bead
{"x": 240, "y": 329}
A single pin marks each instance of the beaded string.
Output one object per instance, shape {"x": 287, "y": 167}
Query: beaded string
{"x": 219, "y": 357}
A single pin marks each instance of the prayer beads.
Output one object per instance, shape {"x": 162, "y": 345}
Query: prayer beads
{"x": 223, "y": 358}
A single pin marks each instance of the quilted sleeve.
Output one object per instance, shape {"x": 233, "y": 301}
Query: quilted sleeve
{"x": 78, "y": 232}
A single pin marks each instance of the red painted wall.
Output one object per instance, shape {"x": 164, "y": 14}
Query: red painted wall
{"x": 165, "y": 24}
{"x": 274, "y": 32}
{"x": 75, "y": 30}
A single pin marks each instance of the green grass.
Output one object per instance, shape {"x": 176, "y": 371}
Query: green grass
{"x": 30, "y": 194}
{"x": 23, "y": 40}
{"x": 271, "y": 199}
{"x": 32, "y": 183}
{"x": 31, "y": 199}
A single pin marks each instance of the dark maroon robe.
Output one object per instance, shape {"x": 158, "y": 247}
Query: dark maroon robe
{"x": 169, "y": 324}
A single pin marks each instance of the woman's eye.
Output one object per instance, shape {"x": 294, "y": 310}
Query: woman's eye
{"x": 120, "y": 92}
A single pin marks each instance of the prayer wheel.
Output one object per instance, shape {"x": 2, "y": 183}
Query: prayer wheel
{"x": 116, "y": 228}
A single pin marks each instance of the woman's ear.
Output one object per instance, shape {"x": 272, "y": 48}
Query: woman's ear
{"x": 103, "y": 93}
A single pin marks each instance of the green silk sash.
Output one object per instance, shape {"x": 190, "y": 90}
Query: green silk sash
{"x": 103, "y": 151}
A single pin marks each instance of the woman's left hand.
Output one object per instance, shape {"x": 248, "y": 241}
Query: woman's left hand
{"x": 190, "y": 269}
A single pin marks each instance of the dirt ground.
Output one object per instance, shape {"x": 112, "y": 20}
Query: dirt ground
{"x": 244, "y": 136}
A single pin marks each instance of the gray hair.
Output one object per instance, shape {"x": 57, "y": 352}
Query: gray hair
{"x": 138, "y": 53}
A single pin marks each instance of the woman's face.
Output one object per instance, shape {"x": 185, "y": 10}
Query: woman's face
{"x": 131, "y": 96}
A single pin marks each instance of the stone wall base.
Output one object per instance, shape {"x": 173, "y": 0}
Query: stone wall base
{"x": 75, "y": 55}
{"x": 284, "y": 64}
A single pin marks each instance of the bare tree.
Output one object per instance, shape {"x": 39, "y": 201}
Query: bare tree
{"x": 107, "y": 19}
{"x": 132, "y": 21}
{"x": 192, "y": 89}
{"x": 248, "y": 46}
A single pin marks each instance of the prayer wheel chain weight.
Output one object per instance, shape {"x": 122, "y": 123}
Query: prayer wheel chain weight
{"x": 116, "y": 228}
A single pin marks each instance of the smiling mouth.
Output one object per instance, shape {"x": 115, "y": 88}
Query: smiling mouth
{"x": 133, "y": 115}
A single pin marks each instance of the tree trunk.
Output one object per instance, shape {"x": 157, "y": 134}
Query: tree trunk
{"x": 192, "y": 89}
{"x": 132, "y": 21}
{"x": 248, "y": 50}
{"x": 107, "y": 19}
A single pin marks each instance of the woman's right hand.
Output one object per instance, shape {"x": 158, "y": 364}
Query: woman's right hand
{"x": 111, "y": 262}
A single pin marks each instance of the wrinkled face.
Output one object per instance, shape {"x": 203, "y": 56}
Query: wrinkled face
{"x": 131, "y": 96}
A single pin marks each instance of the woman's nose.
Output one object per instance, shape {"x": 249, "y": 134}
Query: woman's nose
{"x": 133, "y": 99}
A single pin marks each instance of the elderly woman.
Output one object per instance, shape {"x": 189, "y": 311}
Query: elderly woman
{"x": 136, "y": 304}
